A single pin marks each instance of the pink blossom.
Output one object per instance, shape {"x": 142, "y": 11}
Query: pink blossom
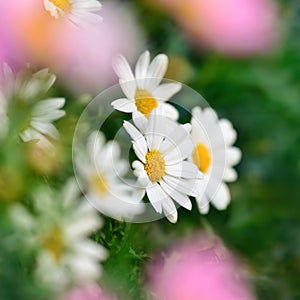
{"x": 80, "y": 54}
{"x": 202, "y": 269}
{"x": 12, "y": 49}
{"x": 90, "y": 292}
{"x": 235, "y": 27}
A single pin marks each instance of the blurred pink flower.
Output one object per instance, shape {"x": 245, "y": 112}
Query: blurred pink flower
{"x": 90, "y": 292}
{"x": 203, "y": 269}
{"x": 82, "y": 57}
{"x": 234, "y": 27}
{"x": 12, "y": 51}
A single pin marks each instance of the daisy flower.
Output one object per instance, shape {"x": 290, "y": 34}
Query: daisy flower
{"x": 143, "y": 90}
{"x": 162, "y": 147}
{"x": 77, "y": 11}
{"x": 30, "y": 90}
{"x": 214, "y": 156}
{"x": 100, "y": 169}
{"x": 59, "y": 232}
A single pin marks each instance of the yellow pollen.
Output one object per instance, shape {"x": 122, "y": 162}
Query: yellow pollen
{"x": 154, "y": 166}
{"x": 64, "y": 5}
{"x": 53, "y": 241}
{"x": 145, "y": 102}
{"x": 100, "y": 184}
{"x": 202, "y": 158}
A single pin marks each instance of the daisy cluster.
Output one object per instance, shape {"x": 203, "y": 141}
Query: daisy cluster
{"x": 56, "y": 225}
{"x": 174, "y": 161}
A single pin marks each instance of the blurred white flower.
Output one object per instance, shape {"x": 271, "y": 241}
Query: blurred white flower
{"x": 30, "y": 90}
{"x": 214, "y": 157}
{"x": 77, "y": 11}
{"x": 143, "y": 90}
{"x": 59, "y": 231}
{"x": 162, "y": 147}
{"x": 43, "y": 114}
{"x": 101, "y": 169}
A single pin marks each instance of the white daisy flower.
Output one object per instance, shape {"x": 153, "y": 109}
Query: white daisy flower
{"x": 162, "y": 147}
{"x": 24, "y": 90}
{"x": 59, "y": 232}
{"x": 214, "y": 156}
{"x": 77, "y": 11}
{"x": 101, "y": 170}
{"x": 143, "y": 90}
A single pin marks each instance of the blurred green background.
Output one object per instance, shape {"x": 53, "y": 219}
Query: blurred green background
{"x": 261, "y": 96}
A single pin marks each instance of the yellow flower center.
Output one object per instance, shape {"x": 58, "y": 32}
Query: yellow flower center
{"x": 154, "y": 166}
{"x": 145, "y": 102}
{"x": 53, "y": 241}
{"x": 64, "y": 5}
{"x": 202, "y": 158}
{"x": 100, "y": 184}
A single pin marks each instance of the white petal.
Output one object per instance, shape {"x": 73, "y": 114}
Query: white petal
{"x": 156, "y": 71}
{"x": 187, "y": 127}
{"x": 127, "y": 80}
{"x": 203, "y": 204}
{"x": 184, "y": 169}
{"x": 87, "y": 5}
{"x": 143, "y": 180}
{"x": 141, "y": 69}
{"x": 210, "y": 115}
{"x": 84, "y": 269}
{"x": 128, "y": 88}
{"x": 233, "y": 156}
{"x": 124, "y": 105}
{"x": 228, "y": 131}
{"x": 123, "y": 69}
{"x": 184, "y": 186}
{"x": 31, "y": 134}
{"x": 199, "y": 130}
{"x": 153, "y": 133}
{"x": 139, "y": 142}
{"x": 230, "y": 175}
{"x": 165, "y": 91}
{"x": 169, "y": 210}
{"x": 156, "y": 196}
{"x": 132, "y": 131}
{"x": 170, "y": 111}
{"x": 138, "y": 168}
{"x": 140, "y": 149}
{"x": 180, "y": 198}
{"x": 69, "y": 193}
{"x": 21, "y": 217}
{"x": 46, "y": 128}
{"x": 221, "y": 198}
{"x": 50, "y": 116}
{"x": 48, "y": 105}
{"x": 180, "y": 152}
{"x": 90, "y": 249}
{"x": 176, "y": 135}
{"x": 95, "y": 144}
{"x": 140, "y": 121}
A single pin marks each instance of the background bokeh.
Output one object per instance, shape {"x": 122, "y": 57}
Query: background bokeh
{"x": 259, "y": 91}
